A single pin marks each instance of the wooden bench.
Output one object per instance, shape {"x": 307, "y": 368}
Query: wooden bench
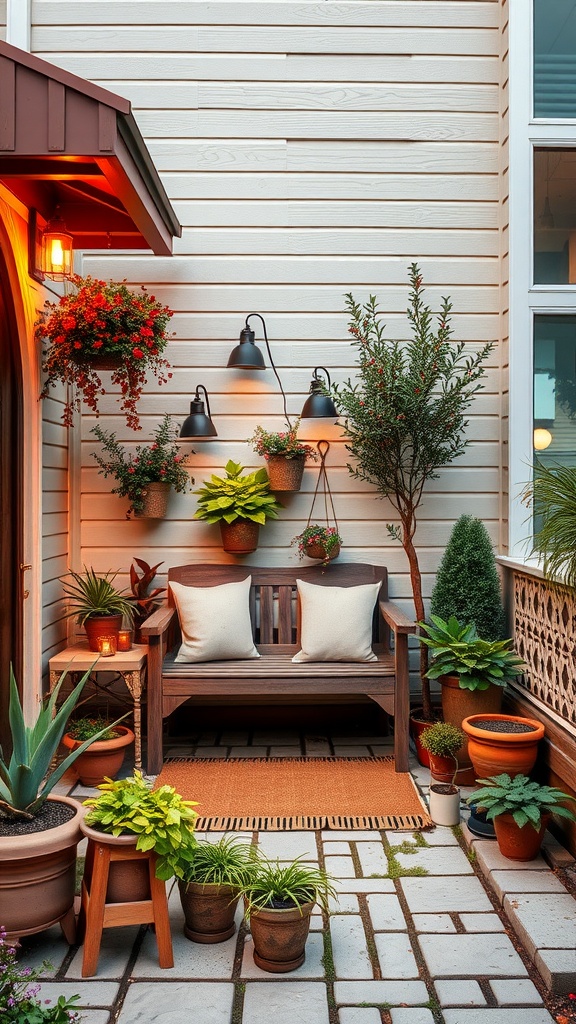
{"x": 274, "y": 613}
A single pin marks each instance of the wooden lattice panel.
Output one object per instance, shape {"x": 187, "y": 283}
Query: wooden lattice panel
{"x": 545, "y": 637}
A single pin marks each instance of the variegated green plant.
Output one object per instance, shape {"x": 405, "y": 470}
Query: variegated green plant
{"x": 26, "y": 779}
{"x": 238, "y": 495}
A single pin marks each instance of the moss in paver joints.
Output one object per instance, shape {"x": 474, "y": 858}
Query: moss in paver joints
{"x": 471, "y": 854}
{"x": 238, "y": 1004}
{"x": 328, "y": 957}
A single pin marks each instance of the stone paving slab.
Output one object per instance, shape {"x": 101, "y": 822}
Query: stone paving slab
{"x": 359, "y": 1015}
{"x": 558, "y": 969}
{"x": 525, "y": 881}
{"x": 409, "y": 1015}
{"x": 516, "y": 991}
{"x": 445, "y": 895}
{"x": 340, "y": 867}
{"x": 437, "y": 860}
{"x": 95, "y": 1017}
{"x": 92, "y": 993}
{"x": 481, "y": 923}
{"x": 470, "y": 955}
{"x": 460, "y": 993}
{"x": 311, "y": 968}
{"x": 349, "y": 949}
{"x": 436, "y": 923}
{"x": 372, "y": 857}
{"x": 395, "y": 955}
{"x": 191, "y": 959}
{"x": 543, "y": 921}
{"x": 284, "y": 1003}
{"x": 115, "y": 952}
{"x": 405, "y": 993}
{"x": 490, "y": 859}
{"x": 489, "y": 1015}
{"x": 288, "y": 845}
{"x": 386, "y": 913}
{"x": 365, "y": 885}
{"x": 177, "y": 1003}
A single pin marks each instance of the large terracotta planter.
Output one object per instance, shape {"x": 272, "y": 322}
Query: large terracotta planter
{"x": 493, "y": 752}
{"x": 101, "y": 625}
{"x": 280, "y": 937}
{"x": 240, "y": 537}
{"x": 155, "y": 497}
{"x": 128, "y": 880}
{"x": 208, "y": 911}
{"x": 103, "y": 758}
{"x": 285, "y": 474}
{"x": 519, "y": 843}
{"x": 458, "y": 704}
{"x": 38, "y": 877}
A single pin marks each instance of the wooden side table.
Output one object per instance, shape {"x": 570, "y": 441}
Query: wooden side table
{"x": 131, "y": 665}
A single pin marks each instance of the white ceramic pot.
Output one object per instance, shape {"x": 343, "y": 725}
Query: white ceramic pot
{"x": 444, "y": 806}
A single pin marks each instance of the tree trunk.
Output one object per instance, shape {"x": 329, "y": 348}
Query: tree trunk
{"x": 416, "y": 581}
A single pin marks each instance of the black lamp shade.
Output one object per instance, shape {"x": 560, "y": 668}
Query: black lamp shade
{"x": 198, "y": 424}
{"x": 247, "y": 355}
{"x": 318, "y": 405}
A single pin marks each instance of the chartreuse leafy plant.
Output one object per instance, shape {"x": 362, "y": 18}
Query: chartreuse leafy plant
{"x": 227, "y": 862}
{"x": 161, "y": 818}
{"x": 404, "y": 414}
{"x": 25, "y": 780}
{"x": 525, "y": 800}
{"x": 457, "y": 650}
{"x": 237, "y": 496}
{"x": 278, "y": 886}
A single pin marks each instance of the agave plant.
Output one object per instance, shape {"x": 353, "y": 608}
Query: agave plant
{"x": 92, "y": 595}
{"x": 237, "y": 496}
{"x": 26, "y": 779}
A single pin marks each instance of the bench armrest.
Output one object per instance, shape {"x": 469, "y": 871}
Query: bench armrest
{"x": 158, "y": 622}
{"x": 398, "y": 622}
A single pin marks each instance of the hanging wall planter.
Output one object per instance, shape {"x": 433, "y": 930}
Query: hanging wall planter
{"x": 155, "y": 501}
{"x": 285, "y": 474}
{"x": 321, "y": 542}
{"x": 240, "y": 503}
{"x": 285, "y": 456}
{"x": 239, "y": 537}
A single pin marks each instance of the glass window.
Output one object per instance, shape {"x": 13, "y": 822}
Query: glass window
{"x": 554, "y": 216}
{"x": 554, "y": 58}
{"x": 555, "y": 389}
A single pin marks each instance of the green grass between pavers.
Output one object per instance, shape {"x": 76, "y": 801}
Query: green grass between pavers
{"x": 80, "y": 862}
{"x": 328, "y": 957}
{"x": 407, "y": 846}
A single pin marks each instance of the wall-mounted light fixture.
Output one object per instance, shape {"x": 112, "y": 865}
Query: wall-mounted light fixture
{"x": 318, "y": 404}
{"x": 57, "y": 249}
{"x": 247, "y": 356}
{"x": 198, "y": 424}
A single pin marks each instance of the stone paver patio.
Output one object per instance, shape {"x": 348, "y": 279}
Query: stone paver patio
{"x": 413, "y": 949}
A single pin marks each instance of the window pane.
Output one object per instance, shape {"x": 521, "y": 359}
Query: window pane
{"x": 554, "y": 216}
{"x": 555, "y": 389}
{"x": 554, "y": 58}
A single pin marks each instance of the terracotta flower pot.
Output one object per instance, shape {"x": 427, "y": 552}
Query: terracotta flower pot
{"x": 101, "y": 625}
{"x": 285, "y": 474}
{"x": 102, "y": 758}
{"x": 494, "y": 751}
{"x": 128, "y": 880}
{"x": 208, "y": 911}
{"x": 38, "y": 876}
{"x": 442, "y": 769}
{"x": 519, "y": 843}
{"x": 280, "y": 937}
{"x": 458, "y": 704}
{"x": 319, "y": 551}
{"x": 155, "y": 497}
{"x": 240, "y": 537}
{"x": 417, "y": 726}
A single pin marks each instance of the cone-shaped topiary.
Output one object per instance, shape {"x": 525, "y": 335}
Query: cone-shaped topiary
{"x": 467, "y": 585}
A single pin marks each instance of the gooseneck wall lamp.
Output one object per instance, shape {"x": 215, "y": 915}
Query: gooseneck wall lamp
{"x": 247, "y": 356}
{"x": 319, "y": 404}
{"x": 198, "y": 424}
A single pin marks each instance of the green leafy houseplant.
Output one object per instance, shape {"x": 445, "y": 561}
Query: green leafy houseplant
{"x": 26, "y": 779}
{"x": 286, "y": 443}
{"x": 159, "y": 462}
{"x": 467, "y": 583}
{"x": 91, "y": 595}
{"x": 524, "y": 799}
{"x": 238, "y": 495}
{"x": 316, "y": 537}
{"x": 552, "y": 494}
{"x": 226, "y": 862}
{"x": 404, "y": 415}
{"x": 457, "y": 650}
{"x": 161, "y": 819}
{"x": 19, "y": 1003}
{"x": 103, "y": 320}
{"x": 88, "y": 727}
{"x": 277, "y": 886}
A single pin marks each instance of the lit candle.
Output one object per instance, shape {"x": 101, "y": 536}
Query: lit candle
{"x": 125, "y": 640}
{"x": 107, "y": 646}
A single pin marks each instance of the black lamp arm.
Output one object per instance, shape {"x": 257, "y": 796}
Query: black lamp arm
{"x": 324, "y": 370}
{"x": 200, "y": 387}
{"x": 273, "y": 365}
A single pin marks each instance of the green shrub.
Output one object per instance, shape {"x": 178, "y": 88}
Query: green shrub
{"x": 467, "y": 584}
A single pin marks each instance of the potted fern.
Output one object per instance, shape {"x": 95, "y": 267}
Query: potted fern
{"x": 240, "y": 503}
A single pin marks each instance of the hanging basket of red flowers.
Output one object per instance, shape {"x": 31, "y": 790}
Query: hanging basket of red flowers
{"x": 99, "y": 327}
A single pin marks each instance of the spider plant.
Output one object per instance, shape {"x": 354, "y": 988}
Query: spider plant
{"x": 552, "y": 494}
{"x": 227, "y": 862}
{"x": 278, "y": 886}
{"x": 91, "y": 595}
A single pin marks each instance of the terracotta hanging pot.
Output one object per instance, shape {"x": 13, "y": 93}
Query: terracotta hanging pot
{"x": 502, "y": 743}
{"x": 105, "y": 362}
{"x": 209, "y": 911}
{"x": 458, "y": 704}
{"x": 240, "y": 537}
{"x": 155, "y": 497}
{"x": 103, "y": 758}
{"x": 285, "y": 474}
{"x": 319, "y": 551}
{"x": 280, "y": 937}
{"x": 101, "y": 625}
{"x": 519, "y": 843}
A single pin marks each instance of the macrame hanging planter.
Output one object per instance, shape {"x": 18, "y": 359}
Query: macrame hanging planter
{"x": 321, "y": 540}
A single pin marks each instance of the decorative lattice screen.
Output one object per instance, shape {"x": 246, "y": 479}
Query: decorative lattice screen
{"x": 545, "y": 636}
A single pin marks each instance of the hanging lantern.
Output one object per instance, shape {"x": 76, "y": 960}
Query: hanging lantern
{"x": 57, "y": 249}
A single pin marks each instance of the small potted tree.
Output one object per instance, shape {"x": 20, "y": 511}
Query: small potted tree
{"x": 443, "y": 741}
{"x": 97, "y": 604}
{"x": 285, "y": 456}
{"x": 467, "y": 582}
{"x": 520, "y": 810}
{"x": 279, "y": 899}
{"x": 210, "y": 888}
{"x": 240, "y": 503}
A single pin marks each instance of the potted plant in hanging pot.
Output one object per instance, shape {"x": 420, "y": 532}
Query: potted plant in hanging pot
{"x": 285, "y": 456}
{"x": 102, "y": 326}
{"x": 443, "y": 741}
{"x": 97, "y": 604}
{"x": 144, "y": 600}
{"x": 146, "y": 475}
{"x": 39, "y": 832}
{"x": 279, "y": 899}
{"x": 520, "y": 810}
{"x": 105, "y": 755}
{"x": 320, "y": 542}
{"x": 472, "y": 673}
{"x": 240, "y": 503}
{"x": 210, "y": 888}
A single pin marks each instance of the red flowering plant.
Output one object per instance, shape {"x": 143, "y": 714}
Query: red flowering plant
{"x": 101, "y": 322}
{"x": 159, "y": 462}
{"x": 268, "y": 442}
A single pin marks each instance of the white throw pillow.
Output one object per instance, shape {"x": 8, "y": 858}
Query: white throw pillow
{"x": 215, "y": 622}
{"x": 336, "y": 622}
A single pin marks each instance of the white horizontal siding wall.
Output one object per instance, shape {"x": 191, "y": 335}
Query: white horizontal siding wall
{"x": 2, "y": 19}
{"x": 309, "y": 149}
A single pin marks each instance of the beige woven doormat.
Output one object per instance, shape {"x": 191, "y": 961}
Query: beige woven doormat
{"x": 297, "y": 793}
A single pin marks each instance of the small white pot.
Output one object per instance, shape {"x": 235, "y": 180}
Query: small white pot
{"x": 444, "y": 807}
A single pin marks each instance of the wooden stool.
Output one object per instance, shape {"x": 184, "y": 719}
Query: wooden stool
{"x": 96, "y": 913}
